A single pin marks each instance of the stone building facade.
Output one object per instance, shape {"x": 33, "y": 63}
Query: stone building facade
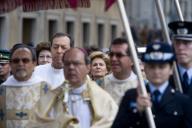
{"x": 144, "y": 12}
{"x": 87, "y": 26}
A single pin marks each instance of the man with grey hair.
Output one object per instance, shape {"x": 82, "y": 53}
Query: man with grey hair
{"x": 22, "y": 89}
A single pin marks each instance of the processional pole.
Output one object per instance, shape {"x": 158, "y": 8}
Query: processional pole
{"x": 166, "y": 33}
{"x": 135, "y": 60}
{"x": 179, "y": 10}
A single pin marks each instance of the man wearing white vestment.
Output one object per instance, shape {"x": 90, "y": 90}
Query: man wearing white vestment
{"x": 122, "y": 77}
{"x": 81, "y": 99}
{"x": 22, "y": 89}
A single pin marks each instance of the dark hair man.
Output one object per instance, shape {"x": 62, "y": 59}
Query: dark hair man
{"x": 122, "y": 77}
{"x": 4, "y": 65}
{"x": 52, "y": 73}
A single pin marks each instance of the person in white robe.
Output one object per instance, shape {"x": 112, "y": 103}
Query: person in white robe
{"x": 22, "y": 89}
{"x": 122, "y": 77}
{"x": 80, "y": 102}
{"x": 52, "y": 73}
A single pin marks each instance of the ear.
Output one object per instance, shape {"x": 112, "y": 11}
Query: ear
{"x": 171, "y": 70}
{"x": 34, "y": 63}
{"x": 9, "y": 67}
{"x": 131, "y": 61}
{"x": 106, "y": 71}
{"x": 88, "y": 66}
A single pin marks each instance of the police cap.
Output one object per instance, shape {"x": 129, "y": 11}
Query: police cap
{"x": 158, "y": 52}
{"x": 181, "y": 30}
{"x": 4, "y": 56}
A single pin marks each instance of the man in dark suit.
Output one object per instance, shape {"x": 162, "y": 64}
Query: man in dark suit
{"x": 5, "y": 68}
{"x": 170, "y": 108}
{"x": 182, "y": 42}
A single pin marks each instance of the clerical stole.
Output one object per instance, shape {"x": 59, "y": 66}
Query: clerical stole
{"x": 16, "y": 103}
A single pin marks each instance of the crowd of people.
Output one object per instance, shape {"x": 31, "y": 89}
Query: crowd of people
{"x": 57, "y": 85}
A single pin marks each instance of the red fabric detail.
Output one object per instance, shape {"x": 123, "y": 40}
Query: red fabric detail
{"x": 35, "y": 5}
{"x": 9, "y": 5}
{"x": 108, "y": 4}
{"x": 73, "y": 3}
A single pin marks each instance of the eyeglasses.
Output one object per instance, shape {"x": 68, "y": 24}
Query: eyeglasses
{"x": 17, "y": 60}
{"x": 48, "y": 57}
{"x": 118, "y": 54}
{"x": 75, "y": 63}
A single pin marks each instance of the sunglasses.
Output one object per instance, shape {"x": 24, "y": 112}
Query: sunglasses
{"x": 17, "y": 60}
{"x": 118, "y": 54}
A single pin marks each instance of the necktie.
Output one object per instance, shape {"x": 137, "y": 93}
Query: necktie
{"x": 185, "y": 82}
{"x": 156, "y": 95}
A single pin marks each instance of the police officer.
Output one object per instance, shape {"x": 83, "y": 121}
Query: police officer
{"x": 4, "y": 65}
{"x": 182, "y": 42}
{"x": 170, "y": 108}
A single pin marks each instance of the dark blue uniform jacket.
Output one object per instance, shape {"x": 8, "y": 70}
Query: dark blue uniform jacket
{"x": 174, "y": 111}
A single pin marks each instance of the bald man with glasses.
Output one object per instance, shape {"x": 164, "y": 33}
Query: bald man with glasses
{"x": 122, "y": 77}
